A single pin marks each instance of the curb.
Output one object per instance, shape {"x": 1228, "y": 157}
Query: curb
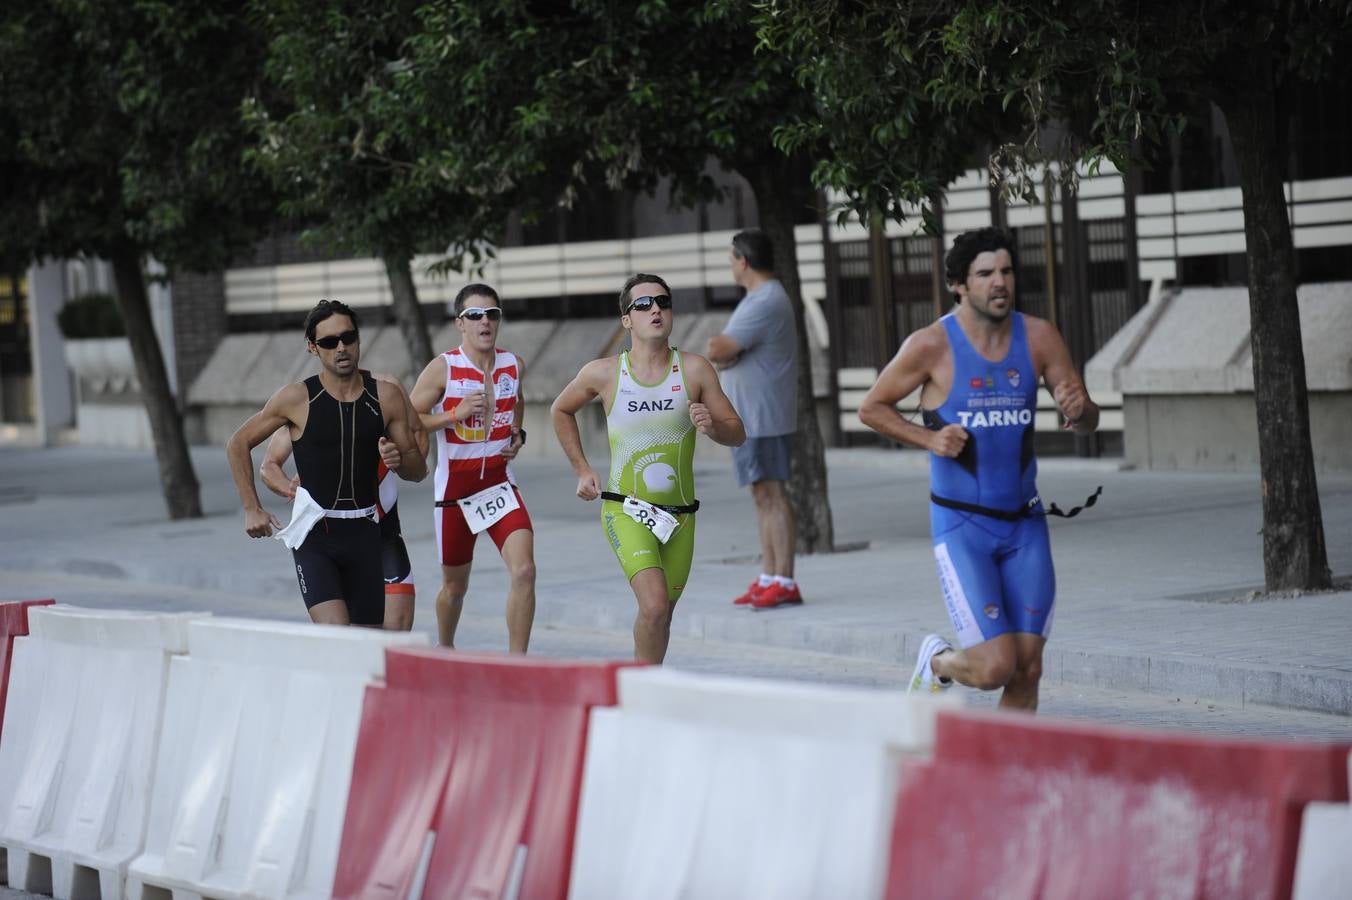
{"x": 1193, "y": 677}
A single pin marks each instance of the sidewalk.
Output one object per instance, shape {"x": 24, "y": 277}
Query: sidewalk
{"x": 1153, "y": 583}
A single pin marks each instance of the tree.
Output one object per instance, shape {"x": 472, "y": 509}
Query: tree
{"x": 323, "y": 139}
{"x": 123, "y": 136}
{"x": 634, "y": 96}
{"x": 1115, "y": 77}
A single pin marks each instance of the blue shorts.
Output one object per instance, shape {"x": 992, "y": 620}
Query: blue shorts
{"x": 762, "y": 459}
{"x": 997, "y": 576}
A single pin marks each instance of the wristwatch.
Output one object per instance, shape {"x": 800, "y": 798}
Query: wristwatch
{"x": 522, "y": 432}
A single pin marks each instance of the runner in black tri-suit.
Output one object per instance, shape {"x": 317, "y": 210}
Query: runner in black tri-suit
{"x": 396, "y": 567}
{"x": 342, "y": 423}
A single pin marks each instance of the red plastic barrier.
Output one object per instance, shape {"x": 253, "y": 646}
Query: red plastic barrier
{"x": 486, "y": 751}
{"x": 1034, "y": 807}
{"x": 13, "y": 623}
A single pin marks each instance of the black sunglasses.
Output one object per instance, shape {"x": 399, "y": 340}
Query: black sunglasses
{"x": 475, "y": 313}
{"x": 643, "y": 304}
{"x": 348, "y": 338}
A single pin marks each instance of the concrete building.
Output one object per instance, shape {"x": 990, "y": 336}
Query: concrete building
{"x": 1118, "y": 265}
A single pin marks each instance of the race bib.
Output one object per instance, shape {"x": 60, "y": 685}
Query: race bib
{"x": 488, "y": 506}
{"x": 660, "y": 522}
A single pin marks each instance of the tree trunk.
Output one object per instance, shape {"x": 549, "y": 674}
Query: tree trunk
{"x": 408, "y": 312}
{"x": 807, "y": 484}
{"x": 177, "y": 479}
{"x": 1293, "y": 531}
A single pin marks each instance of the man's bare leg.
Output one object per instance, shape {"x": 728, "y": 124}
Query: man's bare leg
{"x": 399, "y": 611}
{"x": 1011, "y": 661}
{"x": 518, "y": 553}
{"x": 774, "y": 515}
{"x": 986, "y": 666}
{"x": 450, "y": 601}
{"x": 767, "y": 542}
{"x": 1021, "y": 689}
{"x": 652, "y": 626}
{"x": 330, "y": 612}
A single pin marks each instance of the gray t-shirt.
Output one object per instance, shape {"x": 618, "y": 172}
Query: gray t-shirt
{"x": 763, "y": 383}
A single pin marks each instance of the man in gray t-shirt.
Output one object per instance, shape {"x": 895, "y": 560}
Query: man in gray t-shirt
{"x": 758, "y": 353}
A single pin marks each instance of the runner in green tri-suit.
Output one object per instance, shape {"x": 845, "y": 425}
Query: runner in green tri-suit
{"x": 655, "y": 399}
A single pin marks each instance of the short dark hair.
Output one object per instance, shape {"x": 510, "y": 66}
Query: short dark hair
{"x": 754, "y": 246}
{"x": 474, "y": 290}
{"x": 323, "y": 309}
{"x": 635, "y": 279}
{"x": 971, "y": 244}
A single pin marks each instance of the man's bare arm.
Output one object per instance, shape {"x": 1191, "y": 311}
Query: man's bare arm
{"x": 276, "y": 413}
{"x": 411, "y": 464}
{"x": 1068, "y": 390}
{"x": 271, "y": 471}
{"x": 583, "y": 389}
{"x": 410, "y": 413}
{"x": 518, "y": 414}
{"x": 427, "y": 394}
{"x": 909, "y": 370}
{"x": 724, "y": 424}
{"x": 723, "y": 351}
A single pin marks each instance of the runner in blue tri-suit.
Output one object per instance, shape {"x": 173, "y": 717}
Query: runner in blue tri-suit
{"x": 978, "y": 370}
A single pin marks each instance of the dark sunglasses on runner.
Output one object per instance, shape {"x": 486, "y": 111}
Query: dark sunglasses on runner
{"x": 348, "y": 338}
{"x": 643, "y": 304}
{"x": 475, "y": 314}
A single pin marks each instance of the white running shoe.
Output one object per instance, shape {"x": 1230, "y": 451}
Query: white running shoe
{"x": 923, "y": 678}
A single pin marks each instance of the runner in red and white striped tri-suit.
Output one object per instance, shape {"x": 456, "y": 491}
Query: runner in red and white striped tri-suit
{"x": 475, "y": 490}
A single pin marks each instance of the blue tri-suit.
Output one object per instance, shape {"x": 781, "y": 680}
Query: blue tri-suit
{"x": 995, "y": 566}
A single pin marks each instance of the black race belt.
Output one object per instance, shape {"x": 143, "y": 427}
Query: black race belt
{"x": 674, "y": 510}
{"x": 1030, "y": 508}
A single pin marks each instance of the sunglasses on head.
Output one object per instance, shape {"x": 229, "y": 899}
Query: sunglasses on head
{"x": 475, "y": 313}
{"x": 348, "y": 338}
{"x": 643, "y": 304}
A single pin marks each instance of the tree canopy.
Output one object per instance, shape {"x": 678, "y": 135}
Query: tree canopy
{"x": 124, "y": 139}
{"x": 1077, "y": 84}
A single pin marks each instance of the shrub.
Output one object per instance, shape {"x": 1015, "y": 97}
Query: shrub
{"x": 91, "y": 316}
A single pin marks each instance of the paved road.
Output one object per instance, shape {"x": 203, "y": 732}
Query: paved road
{"x": 1154, "y": 584}
{"x": 479, "y": 632}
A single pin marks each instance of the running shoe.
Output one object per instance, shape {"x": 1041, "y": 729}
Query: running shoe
{"x": 923, "y": 678}
{"x": 776, "y": 595}
{"x": 750, "y": 595}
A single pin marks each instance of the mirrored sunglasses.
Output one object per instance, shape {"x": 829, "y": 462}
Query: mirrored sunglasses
{"x": 643, "y": 304}
{"x": 348, "y": 338}
{"x": 475, "y": 313}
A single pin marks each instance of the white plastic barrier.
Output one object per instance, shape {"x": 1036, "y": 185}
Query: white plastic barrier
{"x": 698, "y": 786}
{"x": 1324, "y": 866}
{"x": 82, "y": 723}
{"x": 260, "y": 727}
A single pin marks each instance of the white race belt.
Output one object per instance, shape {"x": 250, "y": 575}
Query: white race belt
{"x": 660, "y": 522}
{"x": 488, "y": 506}
{"x": 306, "y": 513}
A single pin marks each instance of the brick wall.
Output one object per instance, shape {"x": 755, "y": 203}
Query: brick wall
{"x": 199, "y": 323}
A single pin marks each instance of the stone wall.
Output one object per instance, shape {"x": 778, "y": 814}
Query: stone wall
{"x": 1184, "y": 368}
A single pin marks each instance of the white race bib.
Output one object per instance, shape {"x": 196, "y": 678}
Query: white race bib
{"x": 660, "y": 522}
{"x": 488, "y": 506}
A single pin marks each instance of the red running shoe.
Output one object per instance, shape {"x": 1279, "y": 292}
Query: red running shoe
{"x": 751, "y": 594}
{"x": 776, "y": 595}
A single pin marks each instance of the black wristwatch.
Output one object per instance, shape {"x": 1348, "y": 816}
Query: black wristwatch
{"x": 522, "y": 432}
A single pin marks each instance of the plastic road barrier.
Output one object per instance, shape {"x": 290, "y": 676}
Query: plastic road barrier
{"x": 467, "y": 776}
{"x": 700, "y": 786}
{"x": 256, "y": 758}
{"x": 85, "y": 707}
